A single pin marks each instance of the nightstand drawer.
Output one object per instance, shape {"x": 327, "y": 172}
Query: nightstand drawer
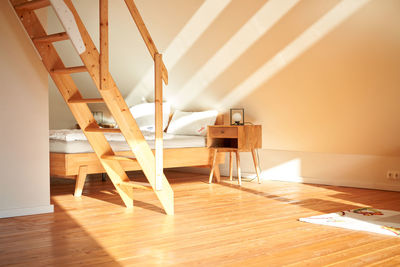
{"x": 223, "y": 132}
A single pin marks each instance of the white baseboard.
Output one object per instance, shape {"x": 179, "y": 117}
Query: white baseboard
{"x": 351, "y": 170}
{"x": 26, "y": 211}
{"x": 322, "y": 181}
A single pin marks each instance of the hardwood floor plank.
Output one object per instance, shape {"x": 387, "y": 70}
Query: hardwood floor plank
{"x": 349, "y": 251}
{"x": 378, "y": 254}
{"x": 390, "y": 262}
{"x": 217, "y": 224}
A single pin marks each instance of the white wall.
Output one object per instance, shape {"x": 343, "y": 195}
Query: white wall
{"x": 24, "y": 156}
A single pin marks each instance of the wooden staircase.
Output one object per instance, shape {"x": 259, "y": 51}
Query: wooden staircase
{"x": 96, "y": 64}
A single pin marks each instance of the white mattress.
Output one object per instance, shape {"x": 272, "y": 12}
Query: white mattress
{"x": 60, "y": 142}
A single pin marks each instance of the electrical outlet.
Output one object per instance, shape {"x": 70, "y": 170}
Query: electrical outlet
{"x": 393, "y": 175}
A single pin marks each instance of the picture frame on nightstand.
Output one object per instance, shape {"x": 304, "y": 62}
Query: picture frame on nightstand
{"x": 236, "y": 116}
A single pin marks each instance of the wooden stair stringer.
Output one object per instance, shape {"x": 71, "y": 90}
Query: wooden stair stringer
{"x": 82, "y": 113}
{"x": 120, "y": 111}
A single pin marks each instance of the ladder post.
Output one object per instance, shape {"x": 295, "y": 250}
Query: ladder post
{"x": 158, "y": 102}
{"x": 104, "y": 51}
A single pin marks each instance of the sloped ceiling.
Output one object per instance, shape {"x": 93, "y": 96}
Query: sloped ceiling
{"x": 319, "y": 75}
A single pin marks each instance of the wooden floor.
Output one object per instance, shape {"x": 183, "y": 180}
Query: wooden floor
{"x": 214, "y": 225}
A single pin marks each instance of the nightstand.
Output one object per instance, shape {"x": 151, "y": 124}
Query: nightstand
{"x": 234, "y": 139}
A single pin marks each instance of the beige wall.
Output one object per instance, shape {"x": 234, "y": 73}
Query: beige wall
{"x": 322, "y": 78}
{"x": 338, "y": 96}
{"x": 24, "y": 178}
{"x": 329, "y": 116}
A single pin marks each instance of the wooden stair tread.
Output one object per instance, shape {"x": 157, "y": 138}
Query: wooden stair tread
{"x": 135, "y": 185}
{"x": 118, "y": 157}
{"x": 51, "y": 38}
{"x": 70, "y": 70}
{"x": 31, "y": 5}
{"x": 102, "y": 130}
{"x": 87, "y": 100}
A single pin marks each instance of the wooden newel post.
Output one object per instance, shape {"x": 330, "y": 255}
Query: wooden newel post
{"x": 104, "y": 45}
{"x": 158, "y": 100}
{"x": 160, "y": 73}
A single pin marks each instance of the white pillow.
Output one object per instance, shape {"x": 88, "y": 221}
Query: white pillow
{"x": 191, "y": 123}
{"x": 144, "y": 115}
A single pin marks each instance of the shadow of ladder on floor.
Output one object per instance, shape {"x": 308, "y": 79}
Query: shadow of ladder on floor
{"x": 151, "y": 165}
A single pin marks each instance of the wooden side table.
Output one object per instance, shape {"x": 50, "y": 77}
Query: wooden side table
{"x": 234, "y": 139}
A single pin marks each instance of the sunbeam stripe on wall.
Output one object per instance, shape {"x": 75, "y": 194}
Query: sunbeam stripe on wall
{"x": 255, "y": 28}
{"x": 328, "y": 22}
{"x": 189, "y": 34}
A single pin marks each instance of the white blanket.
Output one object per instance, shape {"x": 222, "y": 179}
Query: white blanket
{"x": 78, "y": 135}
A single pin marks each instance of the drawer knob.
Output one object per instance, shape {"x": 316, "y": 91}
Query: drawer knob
{"x": 222, "y": 131}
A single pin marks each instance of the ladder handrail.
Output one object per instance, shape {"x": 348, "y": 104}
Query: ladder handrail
{"x": 137, "y": 18}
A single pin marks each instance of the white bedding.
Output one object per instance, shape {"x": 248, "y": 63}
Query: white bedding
{"x": 78, "y": 135}
{"x": 74, "y": 141}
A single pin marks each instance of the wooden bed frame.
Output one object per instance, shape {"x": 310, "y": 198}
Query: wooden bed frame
{"x": 78, "y": 165}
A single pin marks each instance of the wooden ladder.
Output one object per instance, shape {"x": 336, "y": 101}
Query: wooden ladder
{"x": 97, "y": 66}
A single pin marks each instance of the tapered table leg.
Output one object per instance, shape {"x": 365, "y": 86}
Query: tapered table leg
{"x": 213, "y": 166}
{"x": 238, "y": 168}
{"x": 80, "y": 180}
{"x": 230, "y": 165}
{"x": 255, "y": 160}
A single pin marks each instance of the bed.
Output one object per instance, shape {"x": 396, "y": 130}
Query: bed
{"x": 72, "y": 157}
